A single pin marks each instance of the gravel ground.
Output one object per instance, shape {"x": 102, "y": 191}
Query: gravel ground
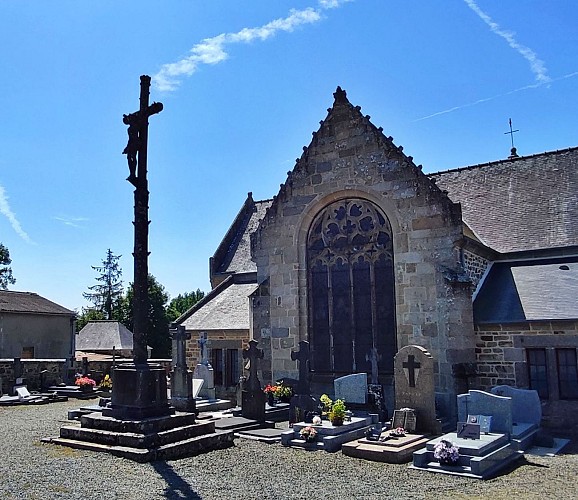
{"x": 250, "y": 470}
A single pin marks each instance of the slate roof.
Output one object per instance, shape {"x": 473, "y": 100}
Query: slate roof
{"x": 226, "y": 307}
{"x": 234, "y": 252}
{"x": 529, "y": 291}
{"x": 519, "y": 204}
{"x": 31, "y": 303}
{"x": 103, "y": 336}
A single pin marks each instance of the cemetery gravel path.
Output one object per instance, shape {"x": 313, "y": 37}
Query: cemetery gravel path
{"x": 30, "y": 469}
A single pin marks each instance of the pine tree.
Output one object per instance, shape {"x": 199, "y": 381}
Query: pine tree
{"x": 105, "y": 295}
{"x": 6, "y": 277}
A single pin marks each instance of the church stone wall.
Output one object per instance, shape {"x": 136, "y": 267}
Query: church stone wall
{"x": 348, "y": 158}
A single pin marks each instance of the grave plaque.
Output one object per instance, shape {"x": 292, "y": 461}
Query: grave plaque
{"x": 485, "y": 422}
{"x": 398, "y": 419}
{"x": 410, "y": 421}
{"x": 467, "y": 430}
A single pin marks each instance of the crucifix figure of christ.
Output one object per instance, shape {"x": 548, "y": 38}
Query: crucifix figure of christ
{"x": 253, "y": 354}
{"x": 373, "y": 357}
{"x": 411, "y": 366}
{"x": 136, "y": 148}
{"x": 303, "y": 357}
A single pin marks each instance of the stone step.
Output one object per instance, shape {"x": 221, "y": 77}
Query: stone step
{"x": 180, "y": 449}
{"x": 145, "y": 426}
{"x": 392, "y": 453}
{"x": 136, "y": 440}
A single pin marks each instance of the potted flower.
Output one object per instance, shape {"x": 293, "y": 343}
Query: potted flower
{"x": 446, "y": 453}
{"x": 106, "y": 385}
{"x": 86, "y": 384}
{"x": 282, "y": 392}
{"x": 270, "y": 393}
{"x": 325, "y": 406}
{"x": 337, "y": 413}
{"x": 308, "y": 434}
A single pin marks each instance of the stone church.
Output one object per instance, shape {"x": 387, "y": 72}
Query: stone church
{"x": 360, "y": 249}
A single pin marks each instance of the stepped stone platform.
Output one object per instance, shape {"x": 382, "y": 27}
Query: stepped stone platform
{"x": 479, "y": 458}
{"x": 329, "y": 437}
{"x": 73, "y": 391}
{"x": 392, "y": 451}
{"x": 158, "y": 438}
{"x": 247, "y": 428}
{"x": 209, "y": 405}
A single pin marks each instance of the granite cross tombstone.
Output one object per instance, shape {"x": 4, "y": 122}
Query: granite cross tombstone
{"x": 253, "y": 353}
{"x": 302, "y": 356}
{"x": 181, "y": 379}
{"x": 253, "y": 398}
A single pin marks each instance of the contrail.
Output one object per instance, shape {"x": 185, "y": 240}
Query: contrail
{"x": 71, "y": 221}
{"x": 7, "y": 212}
{"x": 486, "y": 99}
{"x": 212, "y": 50}
{"x": 536, "y": 65}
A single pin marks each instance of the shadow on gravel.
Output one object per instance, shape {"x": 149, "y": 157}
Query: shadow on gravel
{"x": 177, "y": 487}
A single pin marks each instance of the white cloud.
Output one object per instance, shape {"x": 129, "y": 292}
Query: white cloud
{"x": 212, "y": 50}
{"x": 537, "y": 66}
{"x": 7, "y": 212}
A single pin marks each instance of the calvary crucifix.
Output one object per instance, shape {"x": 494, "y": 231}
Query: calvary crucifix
{"x": 136, "y": 152}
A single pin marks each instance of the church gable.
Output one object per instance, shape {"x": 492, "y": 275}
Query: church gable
{"x": 352, "y": 168}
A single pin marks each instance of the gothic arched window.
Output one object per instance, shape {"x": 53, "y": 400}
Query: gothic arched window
{"x": 351, "y": 289}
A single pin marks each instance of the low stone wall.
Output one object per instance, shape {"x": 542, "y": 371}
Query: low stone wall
{"x": 57, "y": 371}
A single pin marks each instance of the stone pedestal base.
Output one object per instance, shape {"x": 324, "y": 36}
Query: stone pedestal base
{"x": 253, "y": 405}
{"x": 140, "y": 391}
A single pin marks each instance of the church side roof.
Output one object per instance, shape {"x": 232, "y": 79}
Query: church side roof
{"x": 529, "y": 291}
{"x": 28, "y": 302}
{"x": 225, "y": 307}
{"x": 104, "y": 335}
{"x": 234, "y": 252}
{"x": 519, "y": 204}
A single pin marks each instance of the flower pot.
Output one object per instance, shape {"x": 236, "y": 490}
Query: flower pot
{"x": 85, "y": 388}
{"x": 270, "y": 399}
{"x": 337, "y": 421}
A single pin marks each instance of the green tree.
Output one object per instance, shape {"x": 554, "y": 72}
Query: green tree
{"x": 6, "y": 277}
{"x": 157, "y": 334}
{"x": 182, "y": 303}
{"x": 106, "y": 294}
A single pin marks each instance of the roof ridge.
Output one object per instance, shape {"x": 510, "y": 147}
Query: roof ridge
{"x": 505, "y": 160}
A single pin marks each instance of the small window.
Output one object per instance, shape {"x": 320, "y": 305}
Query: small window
{"x": 567, "y": 373}
{"x": 27, "y": 353}
{"x": 538, "y": 372}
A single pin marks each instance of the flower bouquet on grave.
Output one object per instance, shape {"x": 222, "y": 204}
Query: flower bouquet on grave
{"x": 86, "y": 384}
{"x": 397, "y": 432}
{"x": 308, "y": 434}
{"x": 446, "y": 453}
{"x": 325, "y": 404}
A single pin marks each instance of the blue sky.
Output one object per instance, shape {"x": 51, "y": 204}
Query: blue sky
{"x": 244, "y": 83}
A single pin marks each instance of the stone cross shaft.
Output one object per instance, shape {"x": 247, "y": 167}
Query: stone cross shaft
{"x": 253, "y": 353}
{"x": 202, "y": 343}
{"x": 411, "y": 366}
{"x": 180, "y": 337}
{"x": 373, "y": 357}
{"x": 303, "y": 357}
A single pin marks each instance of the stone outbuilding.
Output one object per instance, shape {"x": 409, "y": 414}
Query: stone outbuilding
{"x": 32, "y": 326}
